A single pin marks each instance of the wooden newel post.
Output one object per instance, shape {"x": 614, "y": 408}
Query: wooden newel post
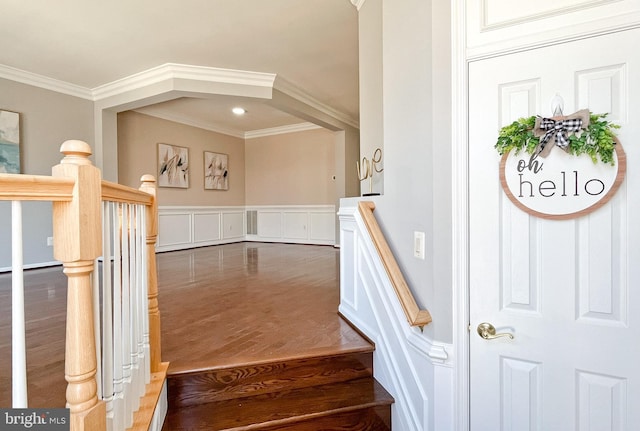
{"x": 77, "y": 233}
{"x": 149, "y": 186}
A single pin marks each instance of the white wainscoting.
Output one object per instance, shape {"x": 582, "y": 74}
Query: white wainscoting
{"x": 308, "y": 224}
{"x": 188, "y": 227}
{"x": 417, "y": 371}
{"x": 196, "y": 226}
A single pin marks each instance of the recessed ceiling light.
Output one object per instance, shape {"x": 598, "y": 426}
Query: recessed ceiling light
{"x": 238, "y": 111}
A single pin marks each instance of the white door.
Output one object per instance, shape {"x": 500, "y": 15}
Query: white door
{"x": 569, "y": 291}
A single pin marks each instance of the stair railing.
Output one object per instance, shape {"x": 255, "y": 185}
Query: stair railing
{"x": 415, "y": 316}
{"x": 112, "y": 344}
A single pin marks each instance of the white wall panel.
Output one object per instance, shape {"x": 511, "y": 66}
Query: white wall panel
{"x": 295, "y": 225}
{"x": 233, "y": 225}
{"x": 174, "y": 229}
{"x": 322, "y": 226}
{"x": 206, "y": 227}
{"x": 269, "y": 224}
{"x": 348, "y": 264}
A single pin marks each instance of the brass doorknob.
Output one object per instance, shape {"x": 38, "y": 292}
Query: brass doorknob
{"x": 488, "y": 332}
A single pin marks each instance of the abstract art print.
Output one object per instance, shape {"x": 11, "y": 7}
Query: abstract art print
{"x": 9, "y": 142}
{"x": 173, "y": 166}
{"x": 216, "y": 171}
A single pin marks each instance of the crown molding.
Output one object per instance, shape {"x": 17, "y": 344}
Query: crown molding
{"x": 186, "y": 121}
{"x": 169, "y": 71}
{"x": 180, "y": 71}
{"x": 24, "y": 77}
{"x": 300, "y": 127}
{"x": 357, "y": 3}
{"x": 297, "y": 93}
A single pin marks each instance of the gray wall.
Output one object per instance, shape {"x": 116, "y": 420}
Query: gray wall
{"x": 47, "y": 119}
{"x": 405, "y": 96}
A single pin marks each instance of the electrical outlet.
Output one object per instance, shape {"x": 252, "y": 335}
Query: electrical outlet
{"x": 49, "y": 241}
{"x": 418, "y": 245}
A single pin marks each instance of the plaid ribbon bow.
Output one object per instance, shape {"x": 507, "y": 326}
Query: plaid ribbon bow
{"x": 559, "y": 129}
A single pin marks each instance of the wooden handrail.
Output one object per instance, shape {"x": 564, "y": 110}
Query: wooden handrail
{"x": 20, "y": 187}
{"x": 114, "y": 192}
{"x": 415, "y": 316}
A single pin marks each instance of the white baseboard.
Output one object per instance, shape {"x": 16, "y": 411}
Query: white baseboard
{"x": 34, "y": 265}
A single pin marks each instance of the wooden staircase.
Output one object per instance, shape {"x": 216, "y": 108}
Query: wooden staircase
{"x": 328, "y": 392}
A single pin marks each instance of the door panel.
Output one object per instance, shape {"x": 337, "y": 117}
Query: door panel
{"x": 568, "y": 290}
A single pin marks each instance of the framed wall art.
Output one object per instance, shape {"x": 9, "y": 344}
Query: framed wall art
{"x": 9, "y": 142}
{"x": 173, "y": 166}
{"x": 216, "y": 171}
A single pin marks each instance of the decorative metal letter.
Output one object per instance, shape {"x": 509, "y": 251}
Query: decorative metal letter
{"x": 367, "y": 168}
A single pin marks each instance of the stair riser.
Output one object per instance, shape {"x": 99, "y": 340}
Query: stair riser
{"x": 239, "y": 382}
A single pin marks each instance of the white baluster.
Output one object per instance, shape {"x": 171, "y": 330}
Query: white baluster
{"x": 140, "y": 301}
{"x": 118, "y": 374}
{"x": 126, "y": 319}
{"x": 18, "y": 352}
{"x": 135, "y": 369}
{"x": 142, "y": 237}
{"x": 107, "y": 321}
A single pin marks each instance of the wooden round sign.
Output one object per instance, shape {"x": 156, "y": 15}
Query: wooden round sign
{"x": 560, "y": 186}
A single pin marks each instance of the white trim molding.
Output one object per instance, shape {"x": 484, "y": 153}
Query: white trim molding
{"x": 416, "y": 370}
{"x": 460, "y": 214}
{"x": 300, "y": 95}
{"x": 291, "y": 128}
{"x": 171, "y": 71}
{"x": 41, "y": 81}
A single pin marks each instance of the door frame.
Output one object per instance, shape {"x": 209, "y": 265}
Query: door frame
{"x": 460, "y": 216}
{"x": 460, "y": 189}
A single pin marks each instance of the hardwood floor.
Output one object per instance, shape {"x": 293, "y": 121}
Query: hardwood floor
{"x": 245, "y": 303}
{"x": 249, "y": 303}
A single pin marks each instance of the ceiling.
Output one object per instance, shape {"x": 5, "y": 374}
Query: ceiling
{"x": 311, "y": 44}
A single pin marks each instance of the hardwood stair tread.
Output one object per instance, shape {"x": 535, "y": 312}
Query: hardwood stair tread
{"x": 235, "y": 382}
{"x": 282, "y": 409}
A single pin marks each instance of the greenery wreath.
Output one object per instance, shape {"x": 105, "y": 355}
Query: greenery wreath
{"x": 597, "y": 140}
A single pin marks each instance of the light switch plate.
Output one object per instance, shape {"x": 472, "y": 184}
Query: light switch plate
{"x": 418, "y": 244}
